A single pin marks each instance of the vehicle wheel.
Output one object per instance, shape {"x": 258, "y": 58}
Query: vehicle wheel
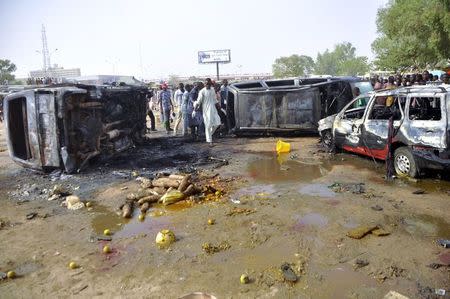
{"x": 404, "y": 162}
{"x": 327, "y": 140}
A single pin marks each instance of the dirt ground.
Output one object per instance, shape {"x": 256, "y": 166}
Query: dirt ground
{"x": 274, "y": 210}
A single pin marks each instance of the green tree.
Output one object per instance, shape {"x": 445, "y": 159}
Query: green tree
{"x": 6, "y": 70}
{"x": 341, "y": 61}
{"x": 292, "y": 66}
{"x": 412, "y": 34}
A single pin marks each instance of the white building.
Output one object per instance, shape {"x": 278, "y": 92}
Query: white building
{"x": 56, "y": 72}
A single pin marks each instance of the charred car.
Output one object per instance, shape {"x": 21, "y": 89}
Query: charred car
{"x": 64, "y": 127}
{"x": 289, "y": 104}
{"x": 409, "y": 124}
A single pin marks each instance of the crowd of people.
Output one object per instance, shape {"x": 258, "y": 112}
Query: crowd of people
{"x": 42, "y": 81}
{"x": 408, "y": 80}
{"x": 196, "y": 109}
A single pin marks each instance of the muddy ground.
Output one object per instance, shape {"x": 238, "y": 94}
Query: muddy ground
{"x": 274, "y": 210}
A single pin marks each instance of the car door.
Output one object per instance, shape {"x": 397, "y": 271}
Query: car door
{"x": 375, "y": 130}
{"x": 346, "y": 127}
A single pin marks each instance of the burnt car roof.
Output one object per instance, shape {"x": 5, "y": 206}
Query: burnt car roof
{"x": 431, "y": 88}
{"x": 290, "y": 82}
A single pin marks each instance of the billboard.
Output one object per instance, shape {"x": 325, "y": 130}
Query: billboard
{"x": 213, "y": 56}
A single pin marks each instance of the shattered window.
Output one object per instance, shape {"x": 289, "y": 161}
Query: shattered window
{"x": 425, "y": 108}
{"x": 386, "y": 107}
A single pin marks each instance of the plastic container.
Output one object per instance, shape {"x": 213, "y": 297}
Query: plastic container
{"x": 283, "y": 147}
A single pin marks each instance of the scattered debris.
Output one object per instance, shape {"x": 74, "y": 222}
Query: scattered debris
{"x": 11, "y": 274}
{"x": 73, "y": 202}
{"x": 379, "y": 232}
{"x": 419, "y": 191}
{"x": 164, "y": 238}
{"x": 360, "y": 263}
{"x": 210, "y": 248}
{"x": 443, "y": 242}
{"x": 283, "y": 147}
{"x": 435, "y": 266}
{"x": 106, "y": 249}
{"x": 360, "y": 231}
{"x": 440, "y": 292}
{"x": 355, "y": 188}
{"x": 80, "y": 289}
{"x": 198, "y": 295}
{"x": 31, "y": 215}
{"x": 288, "y": 273}
{"x": 394, "y": 295}
{"x": 377, "y": 208}
{"x": 236, "y": 211}
{"x": 244, "y": 279}
{"x": 3, "y": 275}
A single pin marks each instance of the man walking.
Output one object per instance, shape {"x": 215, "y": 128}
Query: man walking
{"x": 150, "y": 112}
{"x": 207, "y": 100}
{"x": 166, "y": 105}
{"x": 186, "y": 109}
{"x": 178, "y": 99}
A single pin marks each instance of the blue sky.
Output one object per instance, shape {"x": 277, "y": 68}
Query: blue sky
{"x": 97, "y": 35}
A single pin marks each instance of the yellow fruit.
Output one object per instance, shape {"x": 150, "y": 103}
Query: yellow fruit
{"x": 106, "y": 249}
{"x": 107, "y": 232}
{"x": 165, "y": 237}
{"x": 11, "y": 274}
{"x": 141, "y": 217}
{"x": 211, "y": 221}
{"x": 73, "y": 265}
{"x": 245, "y": 279}
{"x": 89, "y": 204}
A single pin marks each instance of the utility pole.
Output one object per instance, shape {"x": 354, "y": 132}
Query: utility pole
{"x": 217, "y": 71}
{"x": 45, "y": 54}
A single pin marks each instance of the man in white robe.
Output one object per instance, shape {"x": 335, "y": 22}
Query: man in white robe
{"x": 207, "y": 100}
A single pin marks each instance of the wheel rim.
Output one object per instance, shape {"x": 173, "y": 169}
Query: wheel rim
{"x": 403, "y": 164}
{"x": 327, "y": 139}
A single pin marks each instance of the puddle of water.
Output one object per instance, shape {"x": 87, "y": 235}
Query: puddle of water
{"x": 310, "y": 219}
{"x": 272, "y": 169}
{"x": 428, "y": 226}
{"x": 320, "y": 190}
{"x": 124, "y": 228}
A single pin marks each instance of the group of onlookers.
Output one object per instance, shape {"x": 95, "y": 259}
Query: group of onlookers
{"x": 196, "y": 108}
{"x": 408, "y": 80}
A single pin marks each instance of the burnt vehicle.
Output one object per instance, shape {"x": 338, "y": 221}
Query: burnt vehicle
{"x": 68, "y": 125}
{"x": 288, "y": 105}
{"x": 410, "y": 124}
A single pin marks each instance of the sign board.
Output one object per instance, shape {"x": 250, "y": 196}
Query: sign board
{"x": 214, "y": 56}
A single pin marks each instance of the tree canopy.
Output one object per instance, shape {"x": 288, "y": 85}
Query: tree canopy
{"x": 413, "y": 34}
{"x": 292, "y": 66}
{"x": 341, "y": 61}
{"x": 7, "y": 68}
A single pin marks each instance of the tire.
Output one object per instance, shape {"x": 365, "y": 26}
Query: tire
{"x": 327, "y": 140}
{"x": 404, "y": 163}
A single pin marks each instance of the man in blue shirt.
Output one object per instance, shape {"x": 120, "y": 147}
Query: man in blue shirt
{"x": 165, "y": 99}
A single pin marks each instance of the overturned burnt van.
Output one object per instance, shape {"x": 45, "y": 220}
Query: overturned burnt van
{"x": 410, "y": 124}
{"x": 289, "y": 104}
{"x": 66, "y": 126}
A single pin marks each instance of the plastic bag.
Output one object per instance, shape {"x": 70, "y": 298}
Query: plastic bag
{"x": 171, "y": 197}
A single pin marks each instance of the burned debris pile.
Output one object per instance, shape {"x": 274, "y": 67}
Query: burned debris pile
{"x": 166, "y": 189}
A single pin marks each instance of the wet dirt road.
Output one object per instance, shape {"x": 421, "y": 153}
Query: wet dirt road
{"x": 275, "y": 210}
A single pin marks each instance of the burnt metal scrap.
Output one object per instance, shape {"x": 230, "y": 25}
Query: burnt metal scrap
{"x": 417, "y": 116}
{"x": 67, "y": 126}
